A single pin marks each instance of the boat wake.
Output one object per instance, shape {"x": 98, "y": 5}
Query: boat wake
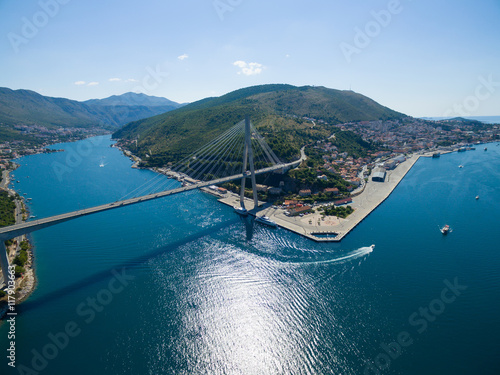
{"x": 355, "y": 254}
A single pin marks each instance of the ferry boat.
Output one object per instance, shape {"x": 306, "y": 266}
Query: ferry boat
{"x": 241, "y": 211}
{"x": 265, "y": 220}
{"x": 445, "y": 229}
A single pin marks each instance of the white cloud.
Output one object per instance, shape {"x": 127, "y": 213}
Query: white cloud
{"x": 115, "y": 79}
{"x": 249, "y": 69}
{"x": 132, "y": 80}
{"x": 183, "y": 57}
{"x": 93, "y": 83}
{"x": 79, "y": 83}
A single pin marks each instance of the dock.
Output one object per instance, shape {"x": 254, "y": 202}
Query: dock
{"x": 330, "y": 228}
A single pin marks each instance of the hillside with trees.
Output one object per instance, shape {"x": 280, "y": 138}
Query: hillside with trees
{"x": 288, "y": 117}
{"x": 24, "y": 113}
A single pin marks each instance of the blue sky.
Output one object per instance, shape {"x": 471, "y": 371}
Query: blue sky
{"x": 419, "y": 57}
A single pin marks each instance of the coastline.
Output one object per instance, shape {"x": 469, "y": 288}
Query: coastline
{"x": 330, "y": 228}
{"x": 313, "y": 226}
{"x": 25, "y": 285}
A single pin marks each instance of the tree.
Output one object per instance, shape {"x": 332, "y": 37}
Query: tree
{"x": 19, "y": 271}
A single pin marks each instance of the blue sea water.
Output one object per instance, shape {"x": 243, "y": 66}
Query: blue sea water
{"x": 182, "y": 285}
{"x": 484, "y": 119}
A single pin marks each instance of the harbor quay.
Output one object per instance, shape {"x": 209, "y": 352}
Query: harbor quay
{"x": 321, "y": 228}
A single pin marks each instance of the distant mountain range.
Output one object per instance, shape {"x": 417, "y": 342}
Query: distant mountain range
{"x": 280, "y": 112}
{"x": 133, "y": 99}
{"x": 18, "y": 107}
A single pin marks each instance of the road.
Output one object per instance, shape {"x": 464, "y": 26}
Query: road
{"x": 5, "y": 180}
{"x": 16, "y": 230}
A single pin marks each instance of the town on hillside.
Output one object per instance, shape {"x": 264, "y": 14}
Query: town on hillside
{"x": 338, "y": 167}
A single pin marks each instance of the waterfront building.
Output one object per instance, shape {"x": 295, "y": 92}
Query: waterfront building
{"x": 379, "y": 174}
{"x": 300, "y": 210}
{"x": 340, "y": 202}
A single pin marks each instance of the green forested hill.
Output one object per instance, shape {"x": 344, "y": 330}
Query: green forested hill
{"x": 277, "y": 111}
{"x": 25, "y": 107}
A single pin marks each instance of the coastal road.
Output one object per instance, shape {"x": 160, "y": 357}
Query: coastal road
{"x": 31, "y": 226}
{"x": 5, "y": 179}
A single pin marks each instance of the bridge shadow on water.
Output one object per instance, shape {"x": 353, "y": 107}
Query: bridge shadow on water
{"x": 130, "y": 264}
{"x": 249, "y": 223}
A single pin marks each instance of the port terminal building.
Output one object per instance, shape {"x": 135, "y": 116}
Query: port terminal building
{"x": 379, "y": 174}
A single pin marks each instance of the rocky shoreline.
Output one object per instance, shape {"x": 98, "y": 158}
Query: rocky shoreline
{"x": 25, "y": 285}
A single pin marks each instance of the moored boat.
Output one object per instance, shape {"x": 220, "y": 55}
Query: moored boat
{"x": 241, "y": 211}
{"x": 265, "y": 220}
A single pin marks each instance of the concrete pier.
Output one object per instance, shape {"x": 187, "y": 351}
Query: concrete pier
{"x": 314, "y": 226}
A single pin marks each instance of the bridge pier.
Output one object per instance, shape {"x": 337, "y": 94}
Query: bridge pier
{"x": 248, "y": 154}
{"x": 4, "y": 262}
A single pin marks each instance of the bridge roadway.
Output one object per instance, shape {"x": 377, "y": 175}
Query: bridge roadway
{"x": 12, "y": 231}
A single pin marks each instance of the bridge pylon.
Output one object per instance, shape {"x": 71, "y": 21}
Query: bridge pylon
{"x": 248, "y": 154}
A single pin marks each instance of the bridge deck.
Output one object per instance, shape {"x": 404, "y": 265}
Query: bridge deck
{"x": 12, "y": 231}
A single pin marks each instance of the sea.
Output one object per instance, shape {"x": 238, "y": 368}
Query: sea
{"x": 484, "y": 119}
{"x": 183, "y": 285}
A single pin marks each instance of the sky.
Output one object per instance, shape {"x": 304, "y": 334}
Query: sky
{"x": 419, "y": 57}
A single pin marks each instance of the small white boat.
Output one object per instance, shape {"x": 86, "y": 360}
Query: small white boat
{"x": 241, "y": 211}
{"x": 32, "y": 216}
{"x": 446, "y": 229}
{"x": 372, "y": 246}
{"x": 265, "y": 220}
{"x": 460, "y": 166}
{"x": 477, "y": 197}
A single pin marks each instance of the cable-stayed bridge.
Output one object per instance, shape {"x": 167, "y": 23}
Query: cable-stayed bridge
{"x": 239, "y": 153}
